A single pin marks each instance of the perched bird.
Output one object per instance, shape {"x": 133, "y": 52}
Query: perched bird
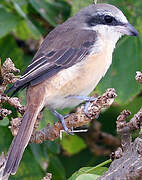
{"x": 67, "y": 67}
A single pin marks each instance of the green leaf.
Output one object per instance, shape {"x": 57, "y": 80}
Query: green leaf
{"x": 5, "y": 139}
{"x": 52, "y": 147}
{"x": 64, "y": 9}
{"x": 22, "y": 31}
{"x": 97, "y": 170}
{"x": 51, "y": 11}
{"x": 32, "y": 27}
{"x": 56, "y": 168}
{"x": 4, "y": 122}
{"x": 9, "y": 48}
{"x": 78, "y": 5}
{"x": 45, "y": 9}
{"x": 72, "y": 144}
{"x": 7, "y": 22}
{"x": 87, "y": 177}
{"x": 84, "y": 171}
{"x": 39, "y": 154}
{"x": 93, "y": 170}
{"x": 29, "y": 168}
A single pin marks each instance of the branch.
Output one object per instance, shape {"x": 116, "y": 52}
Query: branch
{"x": 76, "y": 119}
{"x": 128, "y": 160}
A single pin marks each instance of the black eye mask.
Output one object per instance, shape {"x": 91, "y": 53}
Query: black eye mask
{"x": 103, "y": 19}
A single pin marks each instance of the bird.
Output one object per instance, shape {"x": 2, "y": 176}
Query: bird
{"x": 67, "y": 67}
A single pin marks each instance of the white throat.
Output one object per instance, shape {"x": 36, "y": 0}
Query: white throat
{"x": 105, "y": 35}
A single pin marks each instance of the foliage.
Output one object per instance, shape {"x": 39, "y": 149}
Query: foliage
{"x": 25, "y": 21}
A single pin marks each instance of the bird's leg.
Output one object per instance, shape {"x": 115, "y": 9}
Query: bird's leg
{"x": 61, "y": 118}
{"x": 87, "y": 100}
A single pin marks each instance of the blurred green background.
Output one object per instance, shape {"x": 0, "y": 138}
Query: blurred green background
{"x": 23, "y": 25}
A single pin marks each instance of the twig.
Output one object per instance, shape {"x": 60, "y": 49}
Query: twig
{"x": 48, "y": 176}
{"x": 13, "y": 101}
{"x": 4, "y": 113}
{"x": 7, "y": 76}
{"x": 7, "y": 70}
{"x": 123, "y": 130}
{"x": 138, "y": 77}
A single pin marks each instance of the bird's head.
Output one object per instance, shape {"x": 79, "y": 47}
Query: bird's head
{"x": 107, "y": 20}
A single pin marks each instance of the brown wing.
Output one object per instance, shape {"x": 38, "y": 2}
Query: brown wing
{"x": 61, "y": 49}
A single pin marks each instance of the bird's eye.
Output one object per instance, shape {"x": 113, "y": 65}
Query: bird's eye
{"x": 108, "y": 19}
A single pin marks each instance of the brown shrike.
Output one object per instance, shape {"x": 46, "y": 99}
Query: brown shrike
{"x": 67, "y": 67}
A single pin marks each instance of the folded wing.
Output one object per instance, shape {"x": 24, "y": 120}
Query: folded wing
{"x": 55, "y": 54}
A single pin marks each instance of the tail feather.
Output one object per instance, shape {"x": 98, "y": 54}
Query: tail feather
{"x": 19, "y": 143}
{"x": 14, "y": 89}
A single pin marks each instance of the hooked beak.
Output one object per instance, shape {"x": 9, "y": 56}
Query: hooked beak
{"x": 129, "y": 30}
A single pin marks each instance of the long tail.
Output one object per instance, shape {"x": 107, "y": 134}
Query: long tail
{"x": 20, "y": 142}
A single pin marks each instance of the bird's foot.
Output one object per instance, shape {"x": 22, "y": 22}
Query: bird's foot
{"x": 73, "y": 131}
{"x": 62, "y": 118}
{"x": 87, "y": 100}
